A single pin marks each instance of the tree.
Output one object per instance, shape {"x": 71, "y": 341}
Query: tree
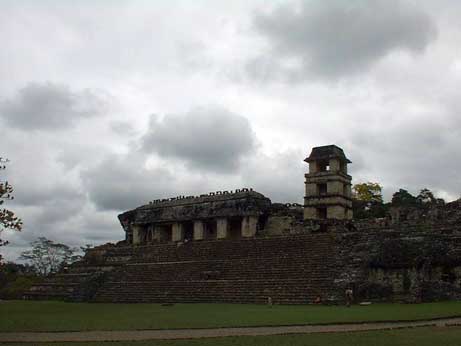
{"x": 8, "y": 220}
{"x": 48, "y": 257}
{"x": 426, "y": 197}
{"x": 403, "y": 198}
{"x": 15, "y": 278}
{"x": 368, "y": 201}
{"x": 368, "y": 192}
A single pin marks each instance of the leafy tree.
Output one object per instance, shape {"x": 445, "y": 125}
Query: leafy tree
{"x": 403, "y": 198}
{"x": 426, "y": 197}
{"x": 8, "y": 220}
{"x": 368, "y": 192}
{"x": 48, "y": 257}
{"x": 15, "y": 279}
{"x": 368, "y": 201}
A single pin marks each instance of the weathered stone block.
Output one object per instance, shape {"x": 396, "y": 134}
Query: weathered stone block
{"x": 136, "y": 234}
{"x": 199, "y": 230}
{"x": 177, "y": 232}
{"x": 222, "y": 228}
{"x": 310, "y": 213}
{"x": 249, "y": 226}
{"x": 336, "y": 212}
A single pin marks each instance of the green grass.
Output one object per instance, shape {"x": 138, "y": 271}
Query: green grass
{"x": 403, "y": 337}
{"x": 60, "y": 316}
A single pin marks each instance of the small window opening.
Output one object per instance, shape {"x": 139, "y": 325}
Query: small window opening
{"x": 322, "y": 188}
{"x": 322, "y": 213}
{"x": 324, "y": 166}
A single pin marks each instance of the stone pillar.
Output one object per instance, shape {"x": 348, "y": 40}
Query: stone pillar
{"x": 311, "y": 189}
{"x": 136, "y": 234}
{"x": 222, "y": 227}
{"x": 335, "y": 165}
{"x": 310, "y": 213}
{"x": 336, "y": 212}
{"x": 335, "y": 188}
{"x": 349, "y": 214}
{"x": 249, "y": 225}
{"x": 156, "y": 234}
{"x": 177, "y": 232}
{"x": 199, "y": 230}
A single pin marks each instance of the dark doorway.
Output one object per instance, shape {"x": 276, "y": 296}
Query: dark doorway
{"x": 235, "y": 227}
{"x": 165, "y": 233}
{"x": 322, "y": 213}
{"x": 188, "y": 230}
{"x": 209, "y": 229}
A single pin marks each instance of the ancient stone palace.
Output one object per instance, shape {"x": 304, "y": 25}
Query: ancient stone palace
{"x": 239, "y": 247}
{"x": 243, "y": 212}
{"x": 217, "y": 215}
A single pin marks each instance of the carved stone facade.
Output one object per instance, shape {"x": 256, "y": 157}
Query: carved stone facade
{"x": 218, "y": 215}
{"x": 328, "y": 186}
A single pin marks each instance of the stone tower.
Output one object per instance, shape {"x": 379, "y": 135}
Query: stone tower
{"x": 328, "y": 186}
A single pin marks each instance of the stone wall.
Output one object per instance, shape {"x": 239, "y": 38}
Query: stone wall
{"x": 414, "y": 258}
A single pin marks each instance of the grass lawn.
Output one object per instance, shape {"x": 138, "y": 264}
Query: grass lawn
{"x": 403, "y": 337}
{"x": 60, "y": 316}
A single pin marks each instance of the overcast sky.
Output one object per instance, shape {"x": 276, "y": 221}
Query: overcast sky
{"x": 105, "y": 105}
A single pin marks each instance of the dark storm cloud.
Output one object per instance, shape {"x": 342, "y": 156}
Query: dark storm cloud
{"x": 332, "y": 39}
{"x": 205, "y": 138}
{"x": 49, "y": 106}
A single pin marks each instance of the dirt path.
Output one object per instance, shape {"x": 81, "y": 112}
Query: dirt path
{"x": 211, "y": 333}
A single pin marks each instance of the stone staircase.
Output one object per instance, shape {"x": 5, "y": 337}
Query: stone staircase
{"x": 290, "y": 270}
{"x": 79, "y": 286}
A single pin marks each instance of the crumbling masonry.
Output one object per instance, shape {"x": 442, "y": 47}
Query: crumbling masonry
{"x": 237, "y": 246}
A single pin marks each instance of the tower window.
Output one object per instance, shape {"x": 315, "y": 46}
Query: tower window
{"x": 322, "y": 213}
{"x": 324, "y": 166}
{"x": 322, "y": 189}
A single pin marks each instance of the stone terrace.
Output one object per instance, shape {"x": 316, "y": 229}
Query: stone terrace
{"x": 290, "y": 270}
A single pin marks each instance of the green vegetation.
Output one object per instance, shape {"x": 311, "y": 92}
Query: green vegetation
{"x": 403, "y": 337}
{"x": 7, "y": 218}
{"x": 60, "y": 316}
{"x": 15, "y": 279}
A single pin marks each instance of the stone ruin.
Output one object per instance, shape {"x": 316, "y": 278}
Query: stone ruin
{"x": 217, "y": 215}
{"x": 239, "y": 247}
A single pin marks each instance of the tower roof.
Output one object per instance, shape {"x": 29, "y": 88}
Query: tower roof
{"x": 327, "y": 152}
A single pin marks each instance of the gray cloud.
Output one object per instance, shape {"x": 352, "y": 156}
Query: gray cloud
{"x": 205, "y": 138}
{"x": 279, "y": 176}
{"x": 333, "y": 39}
{"x": 49, "y": 106}
{"x": 409, "y": 154}
{"x": 121, "y": 183}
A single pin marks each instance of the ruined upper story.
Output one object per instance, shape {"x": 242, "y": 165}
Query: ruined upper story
{"x": 245, "y": 213}
{"x": 217, "y": 215}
